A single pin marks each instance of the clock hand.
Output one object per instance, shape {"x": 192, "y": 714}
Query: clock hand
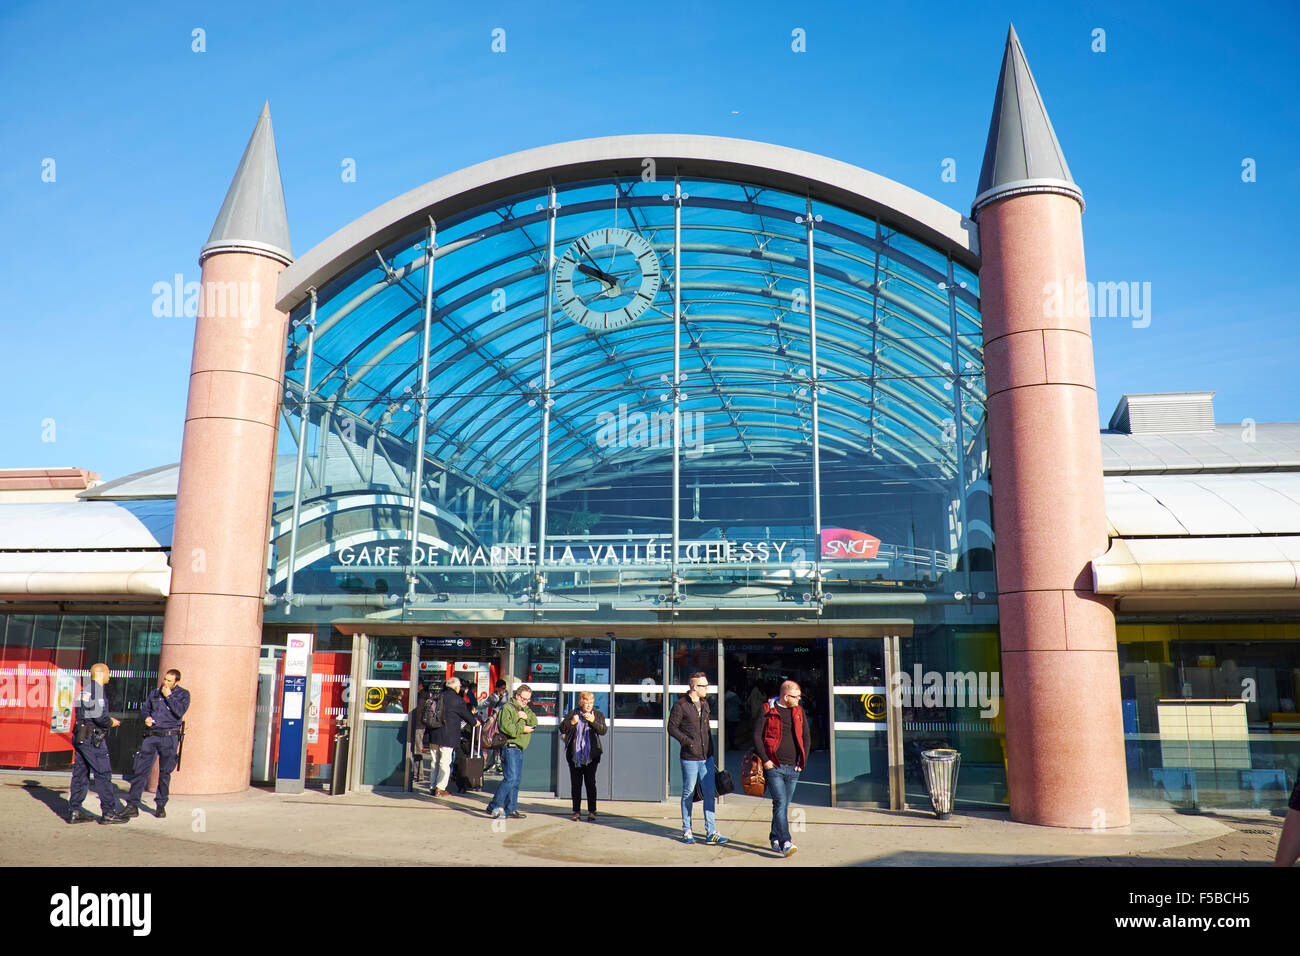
{"x": 599, "y": 273}
{"x": 611, "y": 284}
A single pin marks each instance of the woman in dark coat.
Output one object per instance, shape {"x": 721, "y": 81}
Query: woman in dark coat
{"x": 582, "y": 729}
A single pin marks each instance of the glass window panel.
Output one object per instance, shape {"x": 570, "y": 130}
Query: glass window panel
{"x": 588, "y": 661}
{"x": 537, "y": 661}
{"x": 639, "y": 661}
{"x": 859, "y": 662}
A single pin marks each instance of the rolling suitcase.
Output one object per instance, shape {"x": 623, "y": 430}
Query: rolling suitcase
{"x": 469, "y": 767}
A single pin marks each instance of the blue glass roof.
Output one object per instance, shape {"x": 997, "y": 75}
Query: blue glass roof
{"x": 891, "y": 360}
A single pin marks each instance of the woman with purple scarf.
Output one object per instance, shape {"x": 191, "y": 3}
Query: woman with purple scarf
{"x": 582, "y": 729}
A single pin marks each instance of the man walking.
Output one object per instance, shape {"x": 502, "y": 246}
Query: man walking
{"x": 689, "y": 726}
{"x": 88, "y": 735}
{"x": 517, "y": 722}
{"x": 446, "y": 738}
{"x": 164, "y": 710}
{"x": 780, "y": 738}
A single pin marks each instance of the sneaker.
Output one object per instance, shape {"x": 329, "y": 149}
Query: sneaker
{"x": 160, "y": 813}
{"x": 130, "y": 811}
{"x": 717, "y": 839}
{"x": 516, "y": 815}
{"x": 113, "y": 818}
{"x": 788, "y": 849}
{"x": 776, "y": 846}
{"x": 497, "y": 814}
{"x": 79, "y": 816}
{"x": 688, "y": 837}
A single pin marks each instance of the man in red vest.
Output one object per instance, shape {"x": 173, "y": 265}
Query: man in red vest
{"x": 781, "y": 739}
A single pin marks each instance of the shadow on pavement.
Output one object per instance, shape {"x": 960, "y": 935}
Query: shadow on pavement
{"x": 607, "y": 820}
{"x": 52, "y": 798}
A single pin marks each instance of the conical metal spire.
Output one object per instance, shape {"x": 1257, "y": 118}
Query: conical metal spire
{"x": 1022, "y": 154}
{"x": 253, "y": 219}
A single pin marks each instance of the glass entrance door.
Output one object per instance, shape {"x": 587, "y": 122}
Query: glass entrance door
{"x": 861, "y": 715}
{"x": 754, "y": 672}
{"x": 385, "y": 705}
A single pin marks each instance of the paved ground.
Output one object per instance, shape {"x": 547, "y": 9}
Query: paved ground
{"x": 257, "y": 828}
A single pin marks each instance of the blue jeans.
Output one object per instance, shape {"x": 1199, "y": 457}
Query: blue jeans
{"x": 701, "y": 770}
{"x": 507, "y": 795}
{"x": 781, "y": 782}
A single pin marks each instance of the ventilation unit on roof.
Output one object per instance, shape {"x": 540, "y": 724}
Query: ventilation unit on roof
{"x": 1162, "y": 413}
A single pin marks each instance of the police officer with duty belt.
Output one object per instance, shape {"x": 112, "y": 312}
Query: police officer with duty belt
{"x": 164, "y": 733}
{"x": 88, "y": 736}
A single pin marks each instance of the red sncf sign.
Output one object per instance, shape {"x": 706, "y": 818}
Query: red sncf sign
{"x": 843, "y": 543}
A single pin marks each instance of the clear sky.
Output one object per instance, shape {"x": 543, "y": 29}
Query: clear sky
{"x": 145, "y": 134}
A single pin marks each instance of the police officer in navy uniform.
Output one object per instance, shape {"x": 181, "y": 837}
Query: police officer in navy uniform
{"x": 88, "y": 735}
{"x": 163, "y": 710}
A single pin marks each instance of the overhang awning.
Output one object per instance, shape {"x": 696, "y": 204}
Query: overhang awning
{"x": 1194, "y": 566}
{"x": 83, "y": 574}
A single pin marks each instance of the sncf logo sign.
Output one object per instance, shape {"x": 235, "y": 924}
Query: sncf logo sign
{"x": 843, "y": 543}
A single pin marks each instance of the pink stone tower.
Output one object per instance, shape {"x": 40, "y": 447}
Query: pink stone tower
{"x": 1065, "y": 736}
{"x": 213, "y": 625}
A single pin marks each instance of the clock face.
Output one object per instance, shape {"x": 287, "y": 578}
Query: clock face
{"x": 607, "y": 278}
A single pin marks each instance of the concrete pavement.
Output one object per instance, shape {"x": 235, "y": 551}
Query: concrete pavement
{"x": 258, "y": 828}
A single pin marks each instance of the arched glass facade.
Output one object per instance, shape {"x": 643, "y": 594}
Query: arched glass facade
{"x": 736, "y": 428}
{"x": 800, "y": 493}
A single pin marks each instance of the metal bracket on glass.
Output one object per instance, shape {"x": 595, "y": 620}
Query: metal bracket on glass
{"x": 390, "y": 274}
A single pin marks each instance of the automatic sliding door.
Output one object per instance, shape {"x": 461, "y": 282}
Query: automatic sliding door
{"x": 638, "y": 725}
{"x": 687, "y": 658}
{"x": 860, "y": 714}
{"x": 385, "y": 713}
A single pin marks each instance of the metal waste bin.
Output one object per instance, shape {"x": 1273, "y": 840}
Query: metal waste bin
{"x": 940, "y": 767}
{"x": 339, "y": 771}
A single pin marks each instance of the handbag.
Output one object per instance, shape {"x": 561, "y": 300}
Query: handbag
{"x": 722, "y": 783}
{"x": 752, "y": 779}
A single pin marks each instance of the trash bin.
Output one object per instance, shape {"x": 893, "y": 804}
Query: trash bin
{"x": 339, "y": 771}
{"x": 940, "y": 767}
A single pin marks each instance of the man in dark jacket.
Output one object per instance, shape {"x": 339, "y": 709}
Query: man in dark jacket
{"x": 689, "y": 726}
{"x": 781, "y": 739}
{"x": 455, "y": 713}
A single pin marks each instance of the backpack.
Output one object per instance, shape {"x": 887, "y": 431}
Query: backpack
{"x": 431, "y": 713}
{"x": 493, "y": 738}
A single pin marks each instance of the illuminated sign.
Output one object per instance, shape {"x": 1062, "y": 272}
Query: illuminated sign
{"x": 843, "y": 543}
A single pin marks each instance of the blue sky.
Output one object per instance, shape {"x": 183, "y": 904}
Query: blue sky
{"x": 145, "y": 135}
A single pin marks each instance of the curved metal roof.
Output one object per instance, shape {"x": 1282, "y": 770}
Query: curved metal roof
{"x": 703, "y": 157}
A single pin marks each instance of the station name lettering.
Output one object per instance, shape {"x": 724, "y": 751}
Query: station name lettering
{"x": 496, "y": 556}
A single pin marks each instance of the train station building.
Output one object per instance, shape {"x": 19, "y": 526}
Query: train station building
{"x": 604, "y": 413}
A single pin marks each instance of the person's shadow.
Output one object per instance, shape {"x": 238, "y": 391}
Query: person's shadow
{"x": 54, "y": 799}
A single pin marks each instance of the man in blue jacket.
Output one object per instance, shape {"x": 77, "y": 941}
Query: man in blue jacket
{"x": 163, "y": 710}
